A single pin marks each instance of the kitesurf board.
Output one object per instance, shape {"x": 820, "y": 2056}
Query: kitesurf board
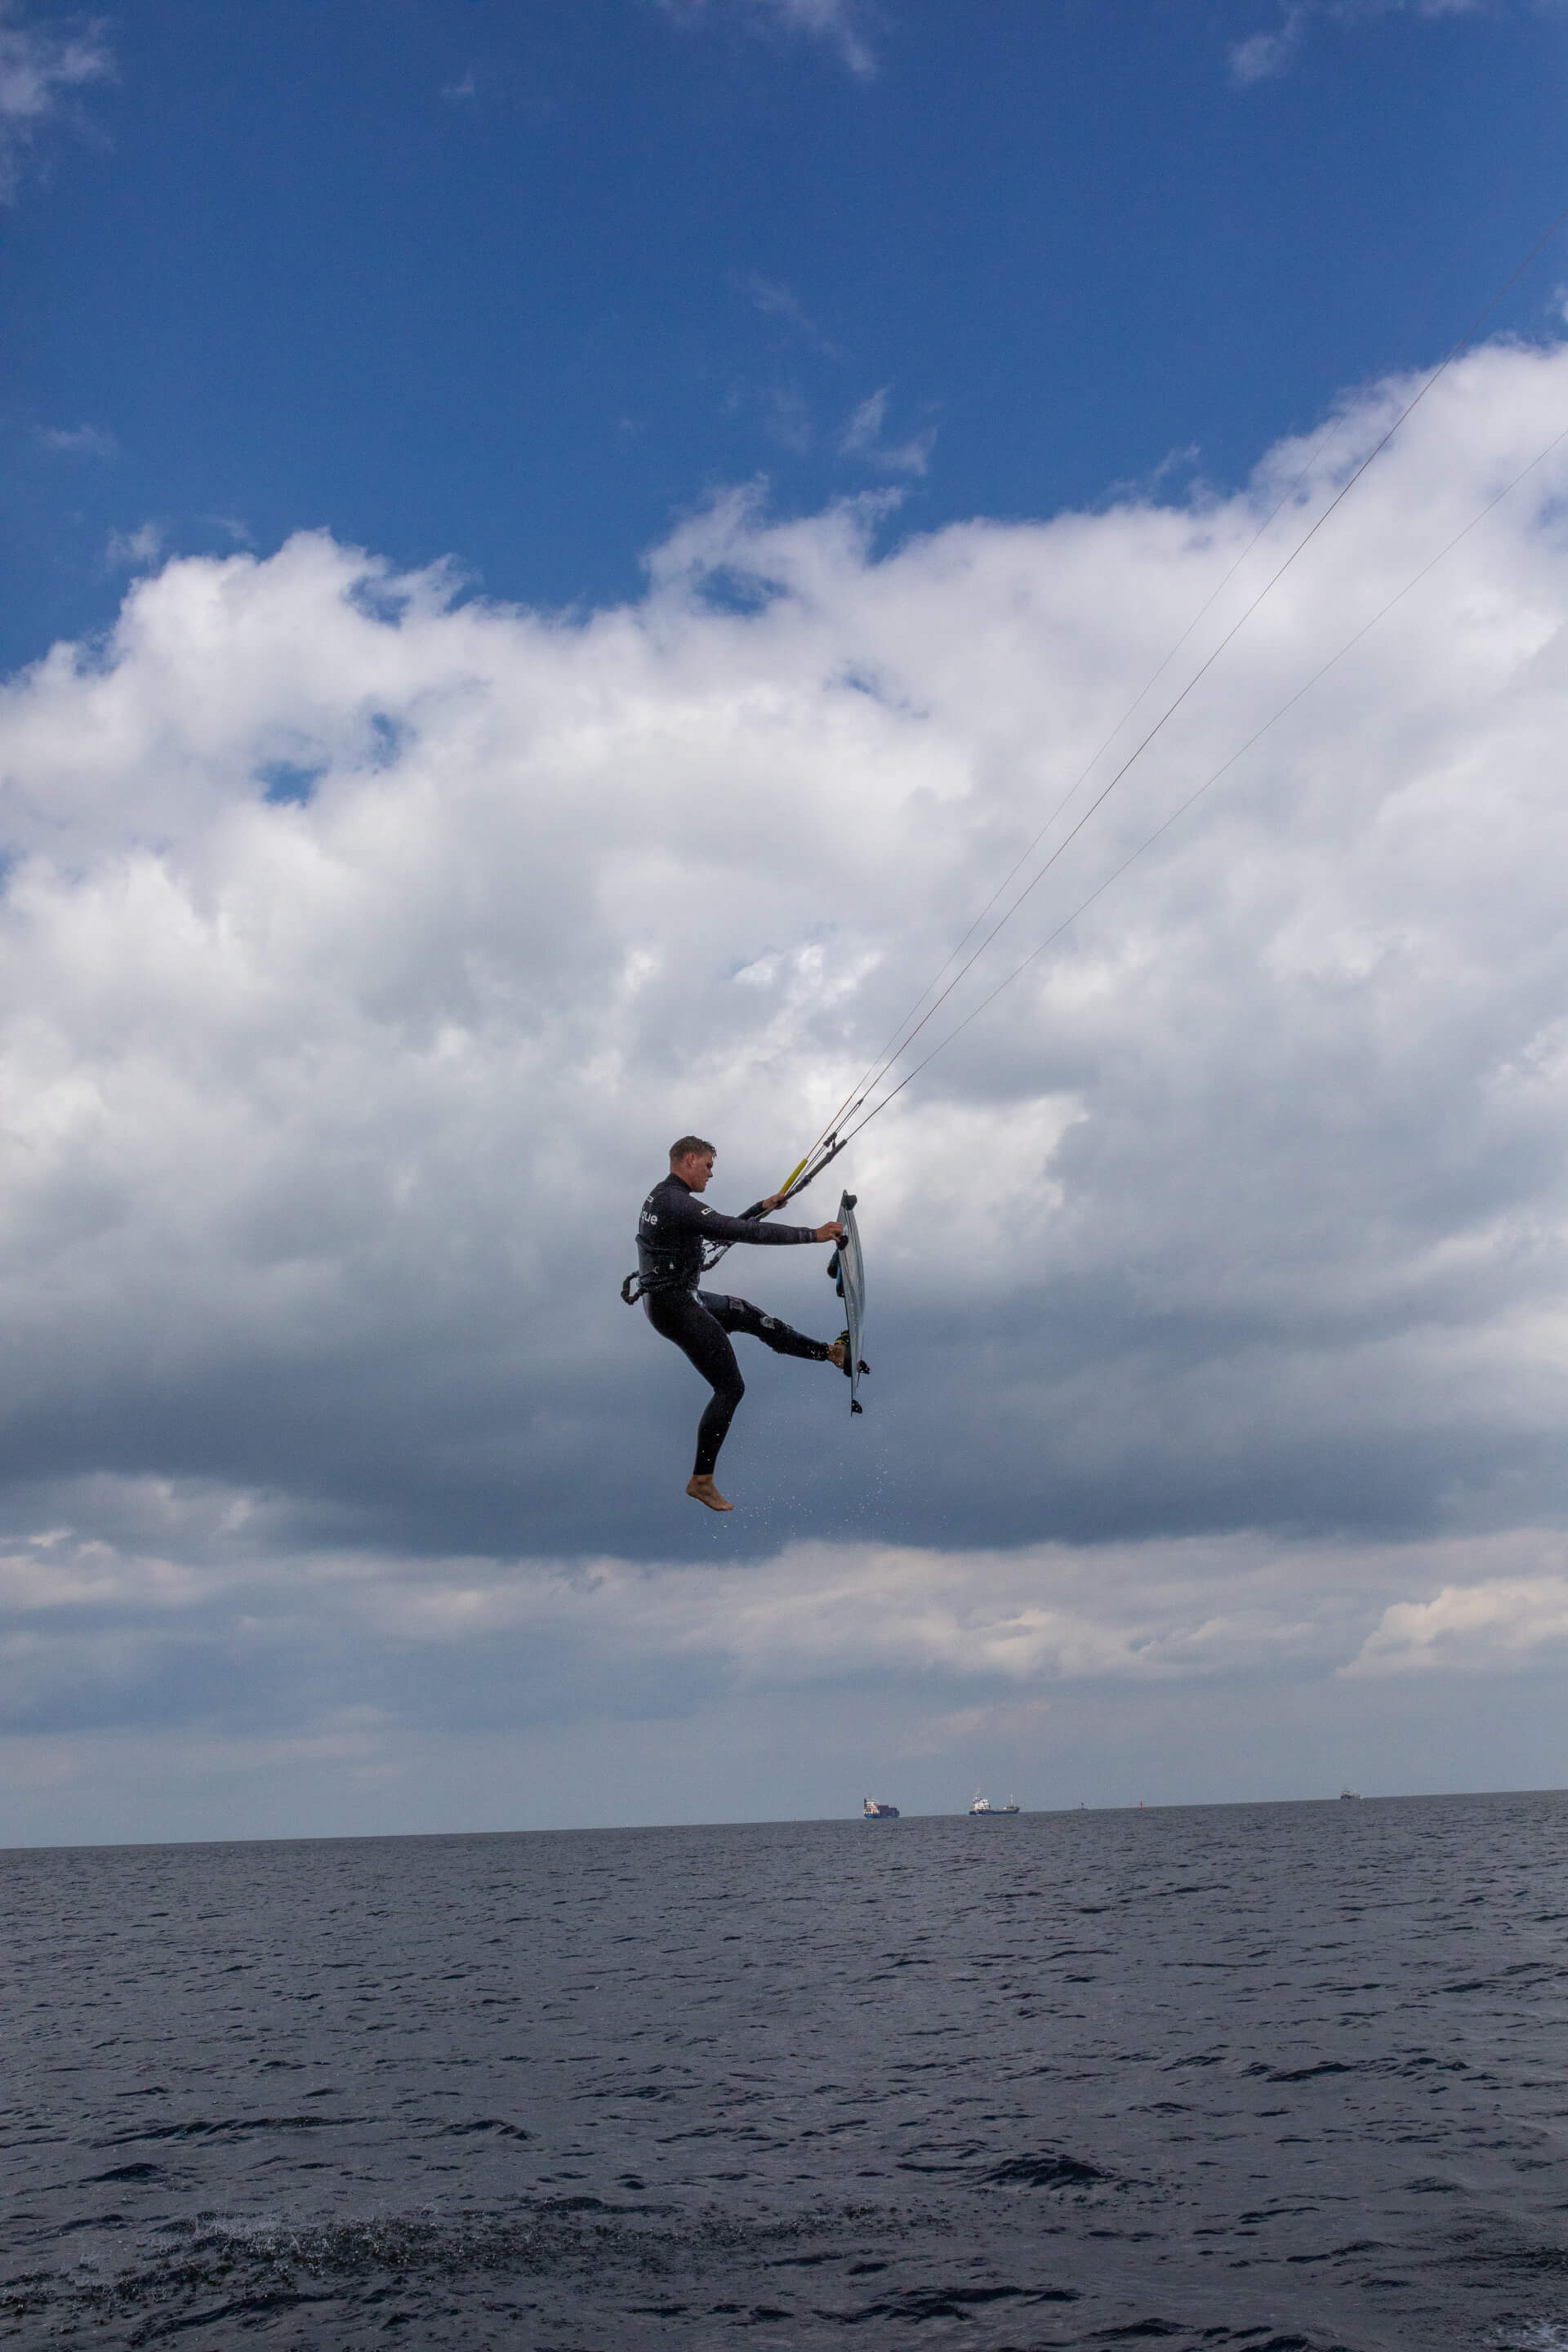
{"x": 850, "y": 1269}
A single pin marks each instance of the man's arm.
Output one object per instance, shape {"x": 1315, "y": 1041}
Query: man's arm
{"x": 833, "y": 1231}
{"x": 713, "y": 1227}
{"x": 691, "y": 1216}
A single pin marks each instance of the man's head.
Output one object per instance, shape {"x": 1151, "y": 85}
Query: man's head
{"x": 691, "y": 1159}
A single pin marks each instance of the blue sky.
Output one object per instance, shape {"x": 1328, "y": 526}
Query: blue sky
{"x": 556, "y": 555}
{"x": 518, "y": 287}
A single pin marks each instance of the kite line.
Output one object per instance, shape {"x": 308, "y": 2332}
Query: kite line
{"x": 837, "y": 1133}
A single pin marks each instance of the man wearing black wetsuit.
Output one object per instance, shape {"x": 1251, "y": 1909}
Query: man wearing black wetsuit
{"x": 671, "y": 1231}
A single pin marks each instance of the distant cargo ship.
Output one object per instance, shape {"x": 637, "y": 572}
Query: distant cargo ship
{"x": 983, "y": 1805}
{"x": 877, "y": 1812}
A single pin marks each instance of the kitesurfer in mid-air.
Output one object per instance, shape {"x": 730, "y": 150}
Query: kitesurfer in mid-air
{"x": 671, "y": 1231}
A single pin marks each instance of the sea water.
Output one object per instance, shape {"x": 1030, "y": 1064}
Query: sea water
{"x": 1267, "y": 2076}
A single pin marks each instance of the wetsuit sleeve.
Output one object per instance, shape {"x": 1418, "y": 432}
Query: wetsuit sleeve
{"x": 753, "y": 1229}
{"x": 690, "y": 1216}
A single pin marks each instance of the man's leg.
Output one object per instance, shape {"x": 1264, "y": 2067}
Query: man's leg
{"x": 740, "y": 1314}
{"x": 678, "y": 1314}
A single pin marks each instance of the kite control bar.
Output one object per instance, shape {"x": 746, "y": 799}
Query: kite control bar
{"x": 806, "y": 1173}
{"x": 796, "y": 1181}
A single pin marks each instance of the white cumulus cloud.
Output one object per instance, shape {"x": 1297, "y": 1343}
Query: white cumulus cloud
{"x": 1266, "y": 55}
{"x": 863, "y": 439}
{"x": 79, "y": 441}
{"x": 134, "y": 551}
{"x": 40, "y": 67}
{"x": 362, "y": 945}
{"x": 843, "y": 25}
{"x": 1470, "y": 1629}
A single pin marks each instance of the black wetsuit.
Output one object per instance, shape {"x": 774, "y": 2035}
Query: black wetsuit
{"x": 671, "y": 1231}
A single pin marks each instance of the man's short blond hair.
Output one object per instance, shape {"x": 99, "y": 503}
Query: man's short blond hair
{"x": 685, "y": 1145}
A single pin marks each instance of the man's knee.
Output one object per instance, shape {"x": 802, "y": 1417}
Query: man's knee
{"x": 781, "y": 1337}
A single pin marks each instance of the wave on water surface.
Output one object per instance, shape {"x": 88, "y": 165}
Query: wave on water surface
{"x": 215, "y": 2272}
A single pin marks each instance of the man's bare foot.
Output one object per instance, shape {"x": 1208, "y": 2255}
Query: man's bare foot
{"x": 839, "y": 1353}
{"x": 703, "y": 1490}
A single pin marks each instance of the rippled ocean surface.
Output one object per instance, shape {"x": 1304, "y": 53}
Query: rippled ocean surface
{"x": 1266, "y": 2076}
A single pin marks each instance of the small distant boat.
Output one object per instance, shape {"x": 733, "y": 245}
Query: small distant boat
{"x": 877, "y": 1812}
{"x": 983, "y": 1808}
{"x": 1350, "y": 1796}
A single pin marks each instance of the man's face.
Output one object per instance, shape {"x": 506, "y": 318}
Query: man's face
{"x": 695, "y": 1170}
